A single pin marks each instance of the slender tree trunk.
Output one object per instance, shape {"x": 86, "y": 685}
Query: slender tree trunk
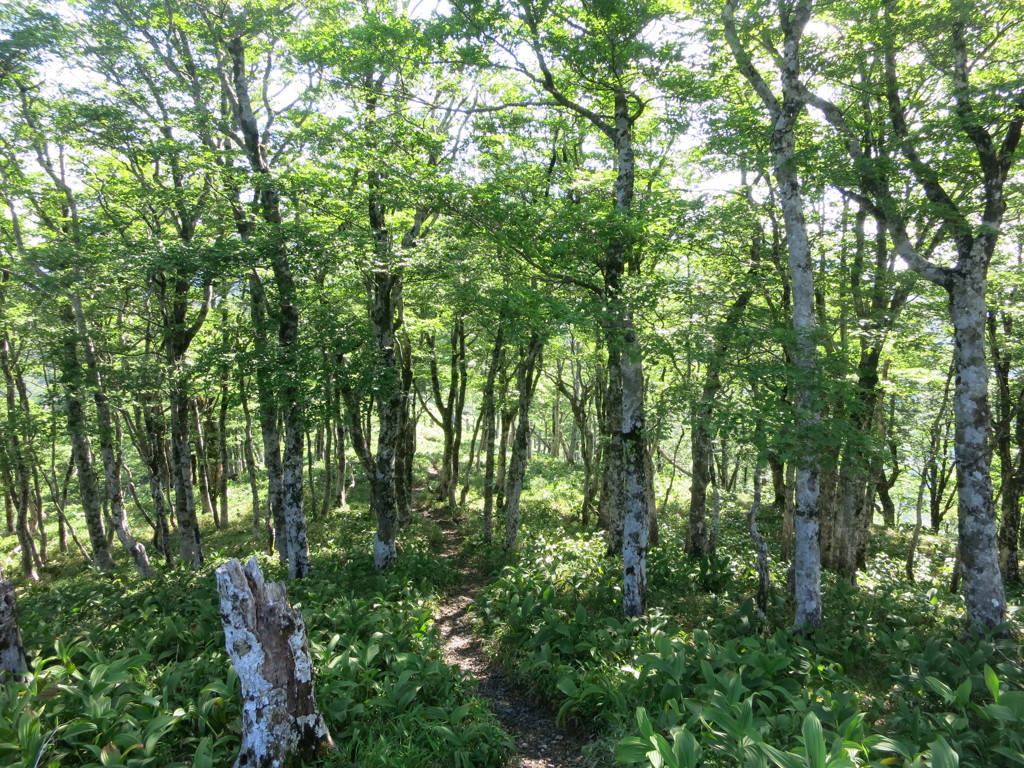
{"x": 202, "y": 463}
{"x": 783, "y": 114}
{"x": 918, "y": 508}
{"x": 1009, "y": 420}
{"x": 764, "y": 584}
{"x": 527, "y": 374}
{"x": 189, "y": 541}
{"x": 154, "y": 440}
{"x": 612, "y": 504}
{"x": 225, "y": 454}
{"x": 508, "y": 420}
{"x": 250, "y": 467}
{"x": 292, "y": 538}
{"x": 269, "y": 417}
{"x": 407, "y": 440}
{"x": 17, "y": 456}
{"x": 328, "y": 479}
{"x": 700, "y": 477}
{"x": 81, "y": 452}
{"x": 471, "y": 462}
{"x": 450, "y": 408}
{"x": 490, "y": 428}
{"x": 342, "y": 487}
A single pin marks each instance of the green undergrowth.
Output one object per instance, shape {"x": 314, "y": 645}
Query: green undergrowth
{"x": 135, "y": 674}
{"x": 703, "y": 679}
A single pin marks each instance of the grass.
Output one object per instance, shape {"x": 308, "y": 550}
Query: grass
{"x": 130, "y": 673}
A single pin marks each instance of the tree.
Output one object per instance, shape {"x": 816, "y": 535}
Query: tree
{"x": 606, "y": 45}
{"x": 784, "y": 113}
{"x": 986, "y": 120}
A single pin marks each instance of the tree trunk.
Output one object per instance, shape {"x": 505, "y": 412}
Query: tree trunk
{"x": 450, "y": 408}
{"x": 527, "y": 375}
{"x": 385, "y": 316}
{"x": 700, "y": 478}
{"x": 979, "y": 551}
{"x": 149, "y": 445}
{"x": 637, "y": 512}
{"x": 269, "y": 417}
{"x": 266, "y": 640}
{"x": 225, "y": 455}
{"x": 13, "y": 662}
{"x": 341, "y": 493}
{"x": 81, "y": 452}
{"x": 612, "y": 504}
{"x": 328, "y": 476}
{"x": 17, "y": 455}
{"x": 1009, "y": 423}
{"x": 203, "y": 463}
{"x": 190, "y": 546}
{"x": 407, "y": 438}
{"x": 764, "y": 584}
{"x": 109, "y": 453}
{"x": 292, "y": 539}
{"x": 250, "y": 466}
{"x": 490, "y": 428}
{"x": 783, "y": 114}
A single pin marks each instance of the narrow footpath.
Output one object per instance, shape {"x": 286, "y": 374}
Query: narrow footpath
{"x": 539, "y": 740}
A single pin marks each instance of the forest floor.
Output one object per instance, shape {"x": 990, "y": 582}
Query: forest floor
{"x": 540, "y": 742}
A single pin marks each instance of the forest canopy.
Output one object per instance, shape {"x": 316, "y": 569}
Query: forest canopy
{"x": 710, "y": 277}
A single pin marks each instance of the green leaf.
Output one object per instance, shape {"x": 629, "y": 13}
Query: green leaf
{"x": 1013, "y": 754}
{"x": 632, "y": 749}
{"x": 686, "y": 749}
{"x": 963, "y": 693}
{"x": 885, "y": 744}
{"x": 568, "y": 686}
{"x": 992, "y": 683}
{"x": 943, "y": 755}
{"x": 780, "y": 758}
{"x": 814, "y": 741}
{"x": 204, "y": 754}
{"x": 940, "y": 688}
{"x": 644, "y": 722}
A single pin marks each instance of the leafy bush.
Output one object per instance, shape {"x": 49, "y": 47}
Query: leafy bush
{"x": 136, "y": 674}
{"x": 885, "y": 683}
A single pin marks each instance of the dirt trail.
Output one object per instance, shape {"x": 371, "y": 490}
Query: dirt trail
{"x": 539, "y": 740}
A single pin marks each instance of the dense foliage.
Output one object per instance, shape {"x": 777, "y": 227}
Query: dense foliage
{"x": 668, "y": 303}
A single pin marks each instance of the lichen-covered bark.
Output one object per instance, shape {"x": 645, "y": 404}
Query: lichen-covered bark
{"x": 979, "y": 559}
{"x": 637, "y": 510}
{"x": 293, "y": 541}
{"x": 13, "y": 663}
{"x": 611, "y": 504}
{"x": 266, "y": 640}
{"x": 784, "y": 112}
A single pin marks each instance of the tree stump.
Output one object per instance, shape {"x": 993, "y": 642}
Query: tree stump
{"x": 13, "y": 663}
{"x": 266, "y": 640}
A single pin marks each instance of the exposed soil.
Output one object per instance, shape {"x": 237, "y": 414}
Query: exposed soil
{"x": 541, "y": 743}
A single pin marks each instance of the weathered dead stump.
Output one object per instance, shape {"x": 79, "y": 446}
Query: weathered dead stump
{"x": 266, "y": 640}
{"x": 13, "y": 662}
